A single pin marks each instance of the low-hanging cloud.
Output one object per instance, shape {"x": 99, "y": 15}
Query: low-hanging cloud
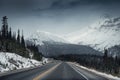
{"x": 51, "y": 4}
{"x": 59, "y": 16}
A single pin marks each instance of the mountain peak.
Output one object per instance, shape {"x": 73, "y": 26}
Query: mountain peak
{"x": 39, "y": 37}
{"x": 101, "y": 35}
{"x": 112, "y": 22}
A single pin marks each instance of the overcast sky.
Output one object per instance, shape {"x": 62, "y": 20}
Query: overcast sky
{"x": 57, "y": 16}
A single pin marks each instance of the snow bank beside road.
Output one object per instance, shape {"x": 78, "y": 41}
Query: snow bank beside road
{"x": 12, "y": 61}
{"x": 109, "y": 76}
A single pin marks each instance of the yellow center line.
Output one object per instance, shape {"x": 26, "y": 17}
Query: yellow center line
{"x": 46, "y": 72}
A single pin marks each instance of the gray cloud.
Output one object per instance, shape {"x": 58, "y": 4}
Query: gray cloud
{"x": 51, "y": 4}
{"x": 73, "y": 3}
{"x": 59, "y": 16}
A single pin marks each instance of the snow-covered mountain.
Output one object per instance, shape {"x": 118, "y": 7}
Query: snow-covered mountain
{"x": 52, "y": 45}
{"x": 103, "y": 34}
{"x": 40, "y": 37}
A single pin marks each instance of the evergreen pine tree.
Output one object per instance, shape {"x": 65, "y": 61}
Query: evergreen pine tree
{"x": 116, "y": 68}
{"x": 14, "y": 36}
{"x": 105, "y": 53}
{"x": 10, "y": 33}
{"x": 4, "y": 27}
{"x": 7, "y": 34}
{"x": 22, "y": 40}
{"x": 18, "y": 36}
{"x": 105, "y": 59}
{"x": 0, "y": 35}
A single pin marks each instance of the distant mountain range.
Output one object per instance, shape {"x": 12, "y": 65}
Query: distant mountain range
{"x": 40, "y": 37}
{"x": 103, "y": 34}
{"x": 52, "y": 45}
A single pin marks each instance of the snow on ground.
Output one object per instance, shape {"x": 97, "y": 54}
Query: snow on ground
{"x": 99, "y": 73}
{"x": 47, "y": 60}
{"x": 12, "y": 61}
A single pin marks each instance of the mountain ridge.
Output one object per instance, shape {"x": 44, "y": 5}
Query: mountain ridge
{"x": 104, "y": 34}
{"x": 40, "y": 37}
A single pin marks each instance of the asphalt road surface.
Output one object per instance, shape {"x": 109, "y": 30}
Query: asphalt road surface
{"x": 54, "y": 71}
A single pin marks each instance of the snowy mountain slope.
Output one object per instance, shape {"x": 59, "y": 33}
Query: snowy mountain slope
{"x": 12, "y": 61}
{"x": 114, "y": 51}
{"x": 53, "y": 45}
{"x": 103, "y": 34}
{"x": 40, "y": 37}
{"x": 54, "y": 50}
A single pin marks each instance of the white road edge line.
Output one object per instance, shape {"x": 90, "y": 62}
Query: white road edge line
{"x": 79, "y": 72}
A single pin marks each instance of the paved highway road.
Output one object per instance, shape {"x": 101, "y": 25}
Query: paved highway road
{"x": 54, "y": 71}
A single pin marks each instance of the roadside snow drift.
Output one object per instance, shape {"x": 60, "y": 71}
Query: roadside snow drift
{"x": 12, "y": 61}
{"x": 108, "y": 76}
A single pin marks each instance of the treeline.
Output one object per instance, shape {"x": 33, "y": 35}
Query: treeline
{"x": 34, "y": 49}
{"x": 105, "y": 63}
{"x": 11, "y": 41}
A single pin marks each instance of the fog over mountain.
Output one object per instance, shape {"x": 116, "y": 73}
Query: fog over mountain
{"x": 69, "y": 20}
{"x": 72, "y": 36}
{"x": 56, "y": 16}
{"x": 103, "y": 34}
{"x": 40, "y": 37}
{"x": 52, "y": 45}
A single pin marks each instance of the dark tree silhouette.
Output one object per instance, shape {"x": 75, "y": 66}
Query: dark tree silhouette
{"x": 12, "y": 42}
{"x": 10, "y": 33}
{"x": 18, "y": 36}
{"x": 14, "y": 36}
{"x": 105, "y": 53}
{"x": 22, "y": 40}
{"x": 4, "y": 27}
